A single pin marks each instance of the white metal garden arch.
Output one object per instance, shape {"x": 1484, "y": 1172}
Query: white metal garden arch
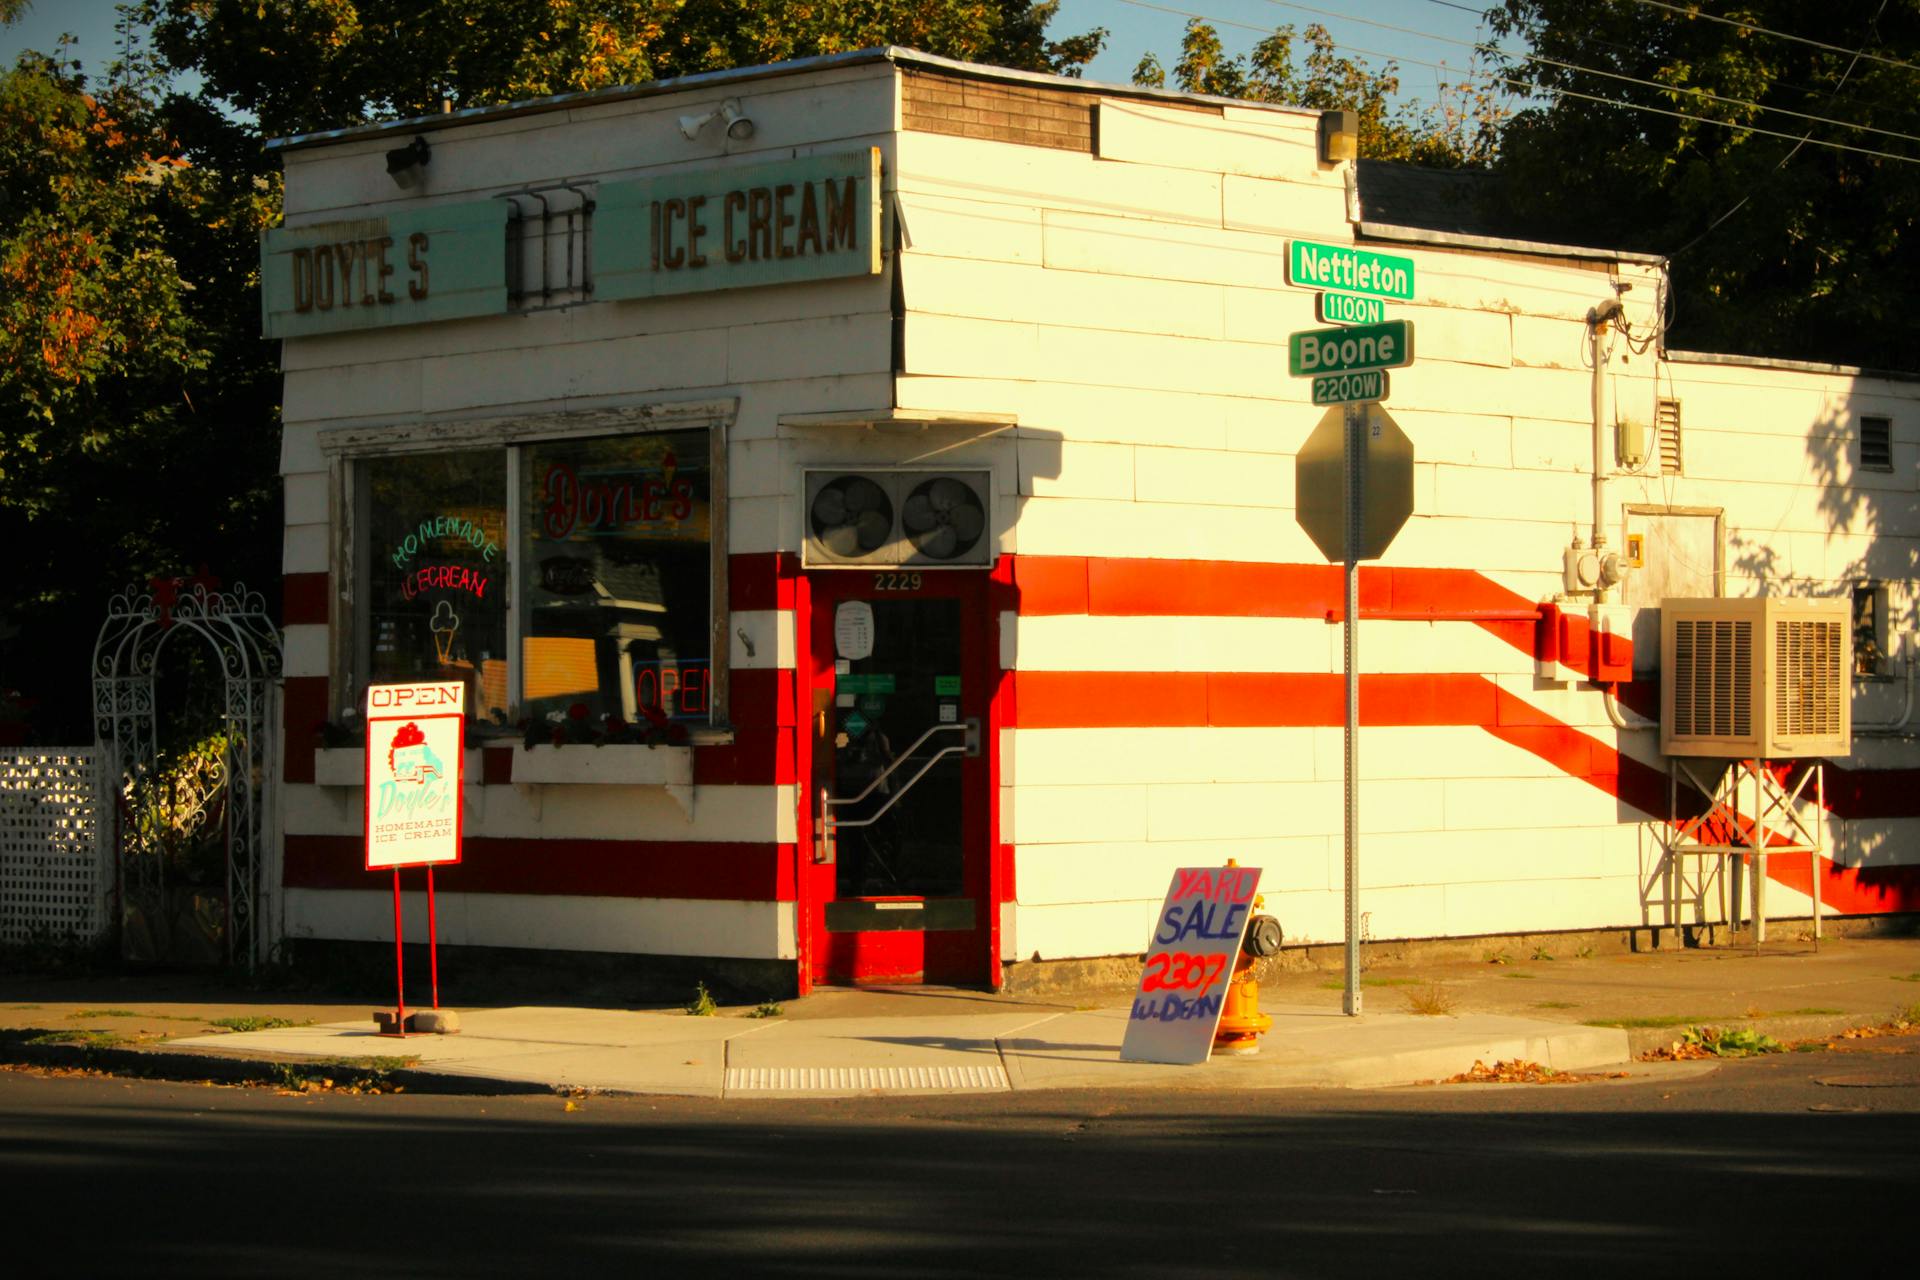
{"x": 126, "y": 658}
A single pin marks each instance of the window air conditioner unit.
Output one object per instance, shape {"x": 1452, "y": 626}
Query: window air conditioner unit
{"x": 1761, "y": 679}
{"x": 924, "y": 519}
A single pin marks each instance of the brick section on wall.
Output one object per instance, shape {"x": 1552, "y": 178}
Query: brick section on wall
{"x": 1034, "y": 116}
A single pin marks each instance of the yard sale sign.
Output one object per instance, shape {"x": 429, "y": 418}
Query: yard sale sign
{"x": 1190, "y": 964}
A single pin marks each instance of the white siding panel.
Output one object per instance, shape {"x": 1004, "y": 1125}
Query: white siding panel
{"x": 559, "y": 922}
{"x": 1006, "y": 291}
{"x": 1217, "y": 477}
{"x": 584, "y": 812}
{"x": 977, "y": 230}
{"x": 940, "y": 165}
{"x": 1140, "y": 134}
{"x": 1054, "y": 468}
{"x": 952, "y": 346}
{"x": 306, "y": 498}
{"x": 1074, "y": 815}
{"x": 1056, "y": 757}
{"x": 1123, "y": 247}
{"x": 1050, "y": 875}
{"x": 1077, "y": 642}
{"x": 1316, "y": 210}
{"x": 304, "y": 650}
{"x": 771, "y": 636}
{"x": 307, "y": 549}
{"x": 799, "y": 348}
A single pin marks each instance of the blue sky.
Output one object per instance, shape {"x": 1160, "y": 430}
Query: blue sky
{"x": 1135, "y": 29}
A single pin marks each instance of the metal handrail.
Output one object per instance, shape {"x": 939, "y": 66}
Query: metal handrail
{"x": 894, "y": 799}
{"x": 904, "y": 756}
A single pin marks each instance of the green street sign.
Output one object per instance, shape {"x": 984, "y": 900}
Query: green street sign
{"x": 1347, "y": 308}
{"x": 1349, "y": 270}
{"x": 1350, "y": 388}
{"x": 1313, "y": 353}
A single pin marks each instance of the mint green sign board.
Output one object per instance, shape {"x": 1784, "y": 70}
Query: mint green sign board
{"x": 410, "y": 266}
{"x": 863, "y": 684}
{"x": 811, "y": 218}
{"x": 1346, "y": 269}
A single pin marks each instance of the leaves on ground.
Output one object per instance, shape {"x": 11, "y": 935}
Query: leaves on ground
{"x": 1521, "y": 1071}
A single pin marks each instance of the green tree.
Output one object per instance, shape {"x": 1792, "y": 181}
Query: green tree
{"x": 301, "y": 65}
{"x": 136, "y": 405}
{"x": 1645, "y": 131}
{"x": 1461, "y": 130}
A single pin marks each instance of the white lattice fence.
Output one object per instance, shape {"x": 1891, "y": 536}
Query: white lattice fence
{"x": 53, "y": 873}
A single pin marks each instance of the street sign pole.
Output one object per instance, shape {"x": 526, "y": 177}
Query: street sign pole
{"x": 1356, "y": 418}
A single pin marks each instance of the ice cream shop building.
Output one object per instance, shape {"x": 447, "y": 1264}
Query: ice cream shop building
{"x": 862, "y": 500}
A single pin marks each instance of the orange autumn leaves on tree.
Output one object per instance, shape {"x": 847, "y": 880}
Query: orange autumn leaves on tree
{"x": 88, "y": 291}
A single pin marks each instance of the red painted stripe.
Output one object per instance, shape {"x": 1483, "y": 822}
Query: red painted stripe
{"x": 761, "y": 697}
{"x": 303, "y": 711}
{"x": 761, "y": 580}
{"x": 755, "y": 757}
{"x": 719, "y": 871}
{"x": 303, "y": 599}
{"x": 1110, "y": 587}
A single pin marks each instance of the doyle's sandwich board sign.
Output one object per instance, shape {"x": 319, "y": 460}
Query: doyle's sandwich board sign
{"x": 416, "y": 743}
{"x": 1190, "y": 964}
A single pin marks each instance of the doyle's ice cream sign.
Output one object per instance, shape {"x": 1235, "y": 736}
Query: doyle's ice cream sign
{"x": 694, "y": 231}
{"x": 416, "y": 734}
{"x": 410, "y": 266}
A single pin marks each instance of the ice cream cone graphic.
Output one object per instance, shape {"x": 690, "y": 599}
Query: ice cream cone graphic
{"x": 444, "y": 623}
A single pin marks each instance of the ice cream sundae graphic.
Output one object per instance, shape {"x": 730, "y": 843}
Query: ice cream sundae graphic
{"x": 411, "y": 759}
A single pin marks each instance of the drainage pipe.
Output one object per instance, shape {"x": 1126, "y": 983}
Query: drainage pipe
{"x": 1599, "y": 321}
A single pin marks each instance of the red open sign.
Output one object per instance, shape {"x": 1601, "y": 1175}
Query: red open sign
{"x": 677, "y": 690}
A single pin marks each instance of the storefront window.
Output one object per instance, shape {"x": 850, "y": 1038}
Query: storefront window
{"x": 617, "y": 566}
{"x": 434, "y": 578}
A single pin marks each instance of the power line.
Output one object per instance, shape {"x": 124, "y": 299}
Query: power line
{"x": 1480, "y": 46}
{"x": 1695, "y": 12}
{"x": 1533, "y": 87}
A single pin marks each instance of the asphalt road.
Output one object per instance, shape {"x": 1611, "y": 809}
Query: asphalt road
{"x": 1808, "y": 1160}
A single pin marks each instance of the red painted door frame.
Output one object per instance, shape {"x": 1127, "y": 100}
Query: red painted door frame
{"x": 817, "y": 594}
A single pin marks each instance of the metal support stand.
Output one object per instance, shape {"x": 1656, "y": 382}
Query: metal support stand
{"x": 1752, "y": 814}
{"x": 1356, "y": 417}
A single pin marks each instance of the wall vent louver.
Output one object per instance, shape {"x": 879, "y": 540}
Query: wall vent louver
{"x": 1761, "y": 678}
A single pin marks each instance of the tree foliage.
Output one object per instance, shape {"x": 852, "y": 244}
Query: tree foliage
{"x": 1461, "y": 129}
{"x": 301, "y": 65}
{"x": 1781, "y": 245}
{"x": 136, "y": 401}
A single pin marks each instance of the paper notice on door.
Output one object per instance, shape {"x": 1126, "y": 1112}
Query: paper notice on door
{"x": 853, "y": 630}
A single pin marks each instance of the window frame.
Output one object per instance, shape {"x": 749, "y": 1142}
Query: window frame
{"x": 343, "y": 447}
{"x": 1882, "y": 634}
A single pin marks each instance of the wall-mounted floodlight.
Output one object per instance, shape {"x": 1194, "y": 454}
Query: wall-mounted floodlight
{"x": 407, "y": 165}
{"x": 1339, "y": 136}
{"x": 739, "y": 127}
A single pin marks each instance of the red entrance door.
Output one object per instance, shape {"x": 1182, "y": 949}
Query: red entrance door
{"x": 899, "y": 675}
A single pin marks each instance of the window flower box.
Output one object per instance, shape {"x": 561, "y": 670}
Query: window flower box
{"x": 614, "y": 764}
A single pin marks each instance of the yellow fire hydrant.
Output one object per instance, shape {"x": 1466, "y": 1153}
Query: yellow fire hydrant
{"x": 1241, "y": 1022}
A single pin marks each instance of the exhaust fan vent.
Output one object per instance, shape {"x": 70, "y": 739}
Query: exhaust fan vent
{"x": 927, "y": 519}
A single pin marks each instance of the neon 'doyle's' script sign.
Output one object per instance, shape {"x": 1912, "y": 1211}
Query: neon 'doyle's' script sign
{"x": 810, "y": 218}
{"x": 1190, "y": 964}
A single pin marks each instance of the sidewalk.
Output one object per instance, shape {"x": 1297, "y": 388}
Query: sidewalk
{"x": 1420, "y": 1021}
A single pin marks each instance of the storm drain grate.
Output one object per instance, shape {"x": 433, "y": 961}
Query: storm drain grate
{"x": 864, "y": 1079}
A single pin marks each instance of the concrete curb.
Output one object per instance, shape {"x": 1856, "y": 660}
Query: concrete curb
{"x": 193, "y": 1065}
